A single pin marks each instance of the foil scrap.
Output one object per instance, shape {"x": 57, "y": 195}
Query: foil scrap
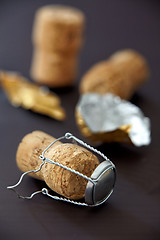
{"x": 107, "y": 118}
{"x": 21, "y": 92}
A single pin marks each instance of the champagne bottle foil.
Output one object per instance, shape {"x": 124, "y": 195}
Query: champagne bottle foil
{"x": 21, "y": 92}
{"x": 108, "y": 118}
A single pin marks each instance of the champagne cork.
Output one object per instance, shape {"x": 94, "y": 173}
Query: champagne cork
{"x": 121, "y": 75}
{"x": 58, "y": 179}
{"x": 52, "y": 69}
{"x": 58, "y": 28}
{"x": 57, "y": 38}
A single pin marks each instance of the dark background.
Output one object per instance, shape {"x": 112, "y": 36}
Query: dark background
{"x": 133, "y": 211}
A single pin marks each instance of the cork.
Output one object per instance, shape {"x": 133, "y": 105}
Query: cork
{"x": 57, "y": 39}
{"x": 58, "y": 28}
{"x": 62, "y": 181}
{"x": 52, "y": 69}
{"x": 122, "y": 74}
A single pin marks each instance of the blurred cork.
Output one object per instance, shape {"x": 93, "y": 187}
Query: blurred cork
{"x": 53, "y": 69}
{"x": 121, "y": 74}
{"x": 57, "y": 38}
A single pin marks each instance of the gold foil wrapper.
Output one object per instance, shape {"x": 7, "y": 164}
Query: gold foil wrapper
{"x": 119, "y": 135}
{"x": 108, "y": 118}
{"x": 21, "y": 92}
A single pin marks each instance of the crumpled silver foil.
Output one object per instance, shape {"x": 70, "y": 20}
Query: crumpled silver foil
{"x": 107, "y": 113}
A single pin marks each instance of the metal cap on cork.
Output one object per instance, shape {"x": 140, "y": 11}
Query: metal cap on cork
{"x": 104, "y": 177}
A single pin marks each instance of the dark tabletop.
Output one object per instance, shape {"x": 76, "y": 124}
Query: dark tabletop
{"x": 133, "y": 211}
